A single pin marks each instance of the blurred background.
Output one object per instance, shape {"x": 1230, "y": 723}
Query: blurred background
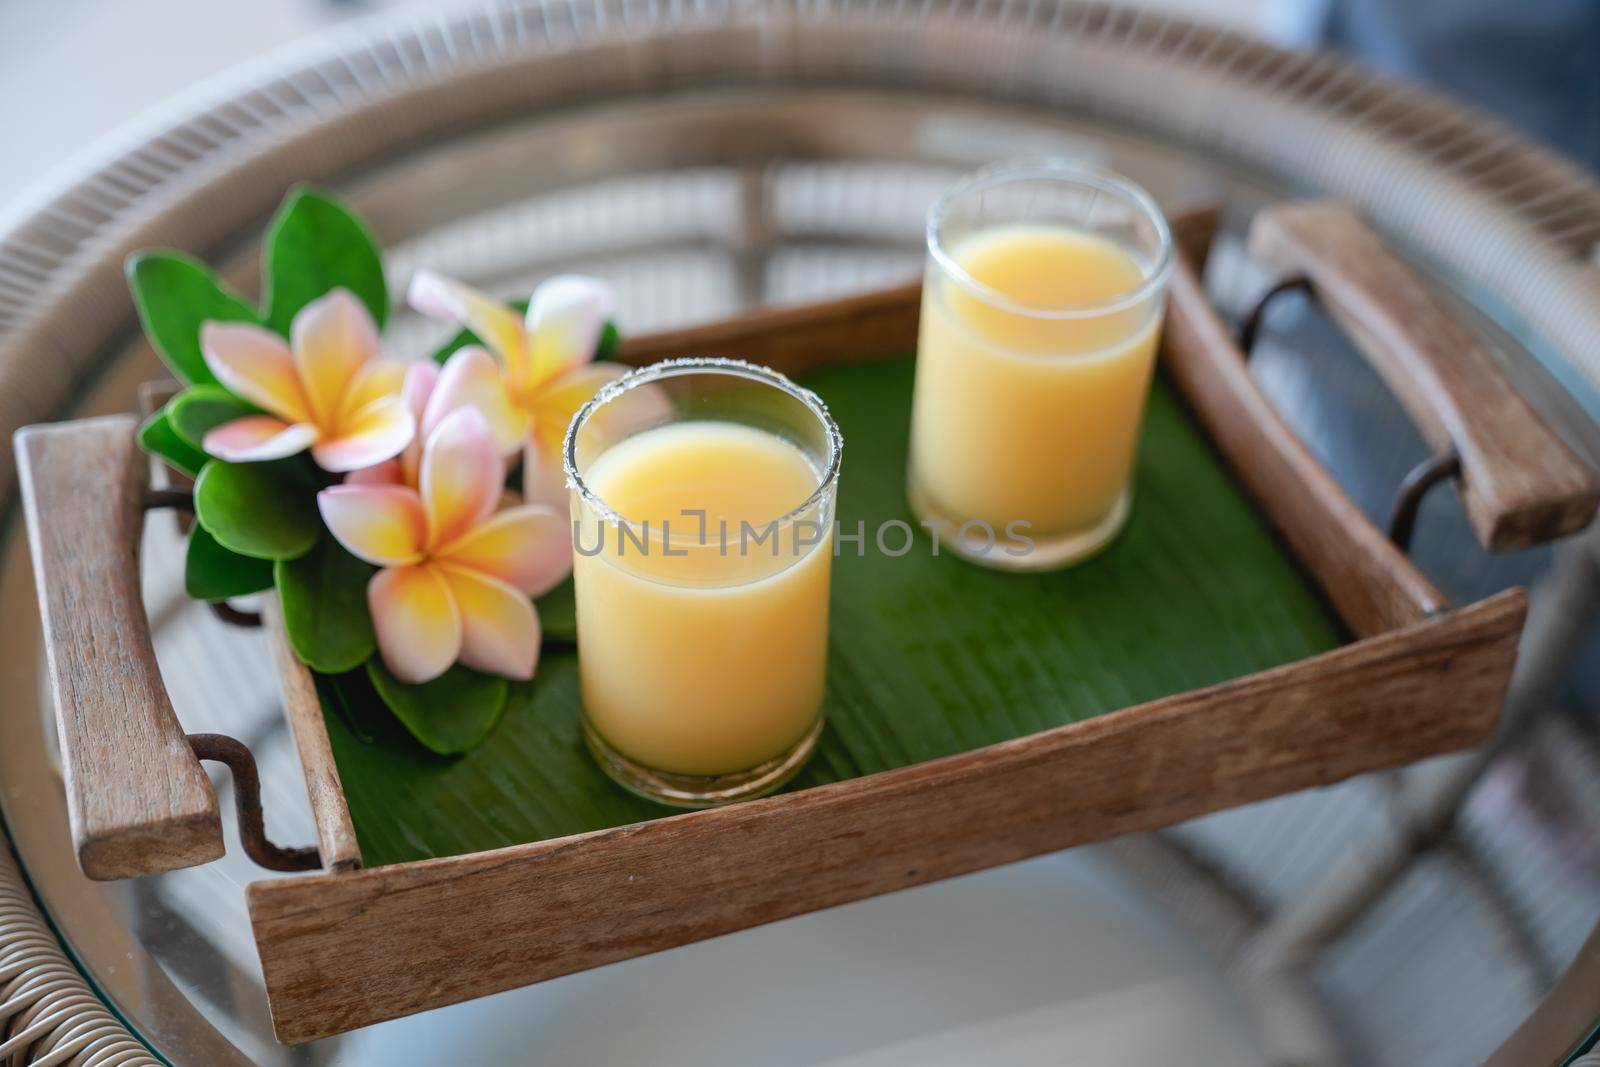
{"x": 1192, "y": 946}
{"x": 75, "y": 70}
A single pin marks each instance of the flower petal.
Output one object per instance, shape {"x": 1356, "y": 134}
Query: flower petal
{"x": 462, "y": 475}
{"x": 389, "y": 472}
{"x": 528, "y": 547}
{"x": 258, "y": 437}
{"x": 373, "y": 380}
{"x": 495, "y": 324}
{"x": 377, "y": 432}
{"x": 471, "y": 378}
{"x": 382, "y": 524}
{"x": 332, "y": 337}
{"x": 422, "y": 377}
{"x": 565, "y": 318}
{"x": 499, "y": 628}
{"x": 416, "y": 620}
{"x": 544, "y": 481}
{"x": 558, "y": 402}
{"x": 415, "y": 388}
{"x": 254, "y": 363}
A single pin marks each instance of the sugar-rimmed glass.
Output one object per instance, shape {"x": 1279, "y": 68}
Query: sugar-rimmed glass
{"x": 702, "y": 644}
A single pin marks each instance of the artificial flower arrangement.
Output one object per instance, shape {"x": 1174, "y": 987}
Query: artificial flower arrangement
{"x": 370, "y": 492}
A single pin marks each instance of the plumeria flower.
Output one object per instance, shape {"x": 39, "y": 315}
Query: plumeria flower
{"x": 325, "y": 390}
{"x": 405, "y": 468}
{"x": 545, "y": 371}
{"x": 456, "y": 574}
{"x": 428, "y": 404}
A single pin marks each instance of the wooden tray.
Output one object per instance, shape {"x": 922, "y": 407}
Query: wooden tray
{"x": 1365, "y": 666}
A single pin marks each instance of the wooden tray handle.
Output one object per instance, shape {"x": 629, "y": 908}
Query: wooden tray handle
{"x": 137, "y": 798}
{"x": 1520, "y": 483}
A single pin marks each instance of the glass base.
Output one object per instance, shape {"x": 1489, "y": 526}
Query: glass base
{"x": 696, "y": 791}
{"x": 1043, "y": 554}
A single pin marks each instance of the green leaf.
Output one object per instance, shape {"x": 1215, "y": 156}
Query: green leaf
{"x": 450, "y": 715}
{"x": 211, "y": 572}
{"x": 174, "y": 294}
{"x": 324, "y": 595}
{"x": 610, "y": 338}
{"x": 262, "y": 510}
{"x": 200, "y": 409}
{"x": 157, "y": 437}
{"x": 558, "y": 614}
{"x": 315, "y": 243}
{"x": 927, "y": 655}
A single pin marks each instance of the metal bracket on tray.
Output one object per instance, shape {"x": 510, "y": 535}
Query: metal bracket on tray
{"x": 1421, "y": 478}
{"x": 220, "y": 748}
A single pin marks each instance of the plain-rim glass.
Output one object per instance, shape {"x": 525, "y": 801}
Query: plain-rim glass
{"x": 1064, "y": 171}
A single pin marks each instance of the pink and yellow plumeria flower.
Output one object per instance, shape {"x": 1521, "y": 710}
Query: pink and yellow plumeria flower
{"x": 544, "y": 375}
{"x": 405, "y": 468}
{"x": 457, "y": 574}
{"x": 326, "y": 390}
{"x": 421, "y": 395}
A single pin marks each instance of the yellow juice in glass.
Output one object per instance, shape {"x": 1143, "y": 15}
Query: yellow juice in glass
{"x": 705, "y": 663}
{"x": 703, "y": 613}
{"x": 1033, "y": 364}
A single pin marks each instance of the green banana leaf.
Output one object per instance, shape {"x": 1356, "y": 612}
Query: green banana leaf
{"x": 930, "y": 655}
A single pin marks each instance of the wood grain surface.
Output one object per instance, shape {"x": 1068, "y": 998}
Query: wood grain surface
{"x": 342, "y": 951}
{"x": 137, "y": 798}
{"x": 796, "y": 339}
{"x": 1521, "y": 484}
{"x": 336, "y": 835}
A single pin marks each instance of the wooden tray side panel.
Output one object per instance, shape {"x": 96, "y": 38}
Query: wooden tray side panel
{"x": 336, "y": 834}
{"x": 796, "y": 339}
{"x": 348, "y": 950}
